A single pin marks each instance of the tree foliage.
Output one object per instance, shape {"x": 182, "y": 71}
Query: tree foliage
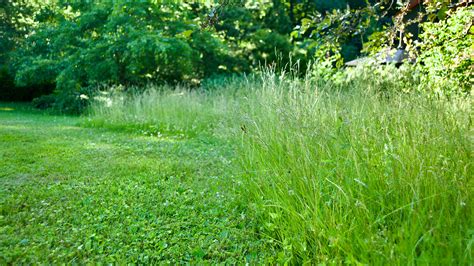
{"x": 447, "y": 50}
{"x": 76, "y": 46}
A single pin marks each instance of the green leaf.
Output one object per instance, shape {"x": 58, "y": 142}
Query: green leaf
{"x": 187, "y": 33}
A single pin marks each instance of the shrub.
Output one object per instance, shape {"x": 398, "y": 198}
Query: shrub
{"x": 446, "y": 60}
{"x": 6, "y": 84}
{"x": 10, "y": 92}
{"x": 269, "y": 47}
{"x": 72, "y": 103}
{"x": 44, "y": 102}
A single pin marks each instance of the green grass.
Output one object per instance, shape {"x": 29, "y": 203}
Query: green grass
{"x": 273, "y": 169}
{"x": 351, "y": 173}
{"x": 75, "y": 194}
{"x": 356, "y": 176}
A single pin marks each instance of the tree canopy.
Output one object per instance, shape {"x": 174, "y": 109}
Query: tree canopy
{"x": 72, "y": 47}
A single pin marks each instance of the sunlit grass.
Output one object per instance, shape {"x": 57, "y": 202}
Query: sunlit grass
{"x": 178, "y": 113}
{"x": 314, "y": 172}
{"x": 353, "y": 174}
{"x": 76, "y": 195}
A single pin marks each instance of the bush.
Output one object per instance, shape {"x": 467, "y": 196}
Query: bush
{"x": 270, "y": 47}
{"x": 72, "y": 103}
{"x": 445, "y": 59}
{"x": 10, "y": 92}
{"x": 6, "y": 84}
{"x": 44, "y": 102}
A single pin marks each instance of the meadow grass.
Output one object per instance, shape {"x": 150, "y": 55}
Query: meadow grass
{"x": 268, "y": 168}
{"x": 171, "y": 111}
{"x": 333, "y": 174}
{"x": 357, "y": 176}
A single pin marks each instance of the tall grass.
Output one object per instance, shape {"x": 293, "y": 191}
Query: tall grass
{"x": 161, "y": 110}
{"x": 334, "y": 175}
{"x": 357, "y": 176}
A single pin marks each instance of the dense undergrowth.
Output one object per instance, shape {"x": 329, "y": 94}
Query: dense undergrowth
{"x": 361, "y": 171}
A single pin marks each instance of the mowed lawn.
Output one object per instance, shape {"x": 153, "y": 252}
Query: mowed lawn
{"x": 76, "y": 194}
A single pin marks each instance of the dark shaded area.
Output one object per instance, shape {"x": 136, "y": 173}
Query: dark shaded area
{"x": 10, "y": 92}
